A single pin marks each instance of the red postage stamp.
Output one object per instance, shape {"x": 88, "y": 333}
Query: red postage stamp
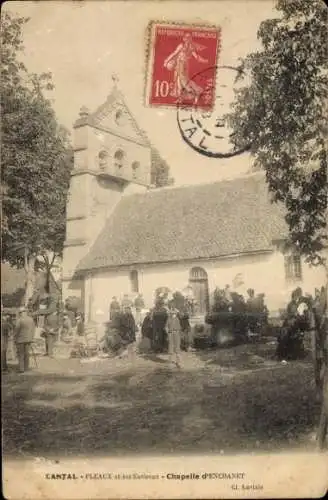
{"x": 179, "y": 54}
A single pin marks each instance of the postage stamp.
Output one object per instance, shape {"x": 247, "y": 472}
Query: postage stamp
{"x": 178, "y": 56}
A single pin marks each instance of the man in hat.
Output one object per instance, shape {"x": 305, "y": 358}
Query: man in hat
{"x": 174, "y": 333}
{"x": 51, "y": 327}
{"x": 24, "y": 335}
{"x": 139, "y": 305}
{"x": 114, "y": 308}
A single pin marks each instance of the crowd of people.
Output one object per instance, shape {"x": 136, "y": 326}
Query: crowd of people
{"x": 116, "y": 306}
{"x": 156, "y": 324}
{"x": 21, "y": 331}
{"x": 304, "y": 313}
{"x": 242, "y": 317}
{"x": 166, "y": 326}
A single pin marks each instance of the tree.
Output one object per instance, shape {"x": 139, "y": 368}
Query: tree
{"x": 281, "y": 116}
{"x": 160, "y": 170}
{"x": 36, "y": 161}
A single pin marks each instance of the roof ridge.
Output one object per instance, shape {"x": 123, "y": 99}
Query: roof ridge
{"x": 117, "y": 95}
{"x": 112, "y": 95}
{"x": 195, "y": 186}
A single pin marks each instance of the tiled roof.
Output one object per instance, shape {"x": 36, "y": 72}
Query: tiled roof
{"x": 193, "y": 222}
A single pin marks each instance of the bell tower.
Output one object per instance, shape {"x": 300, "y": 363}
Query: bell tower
{"x": 112, "y": 158}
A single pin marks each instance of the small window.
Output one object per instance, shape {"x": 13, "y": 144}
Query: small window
{"x": 103, "y": 159}
{"x": 118, "y": 158}
{"x": 134, "y": 279}
{"x": 119, "y": 117}
{"x": 293, "y": 268}
{"x": 135, "y": 167}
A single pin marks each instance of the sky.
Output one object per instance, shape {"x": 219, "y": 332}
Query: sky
{"x": 83, "y": 43}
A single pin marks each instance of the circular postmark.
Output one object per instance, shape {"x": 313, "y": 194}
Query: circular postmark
{"x": 205, "y": 129}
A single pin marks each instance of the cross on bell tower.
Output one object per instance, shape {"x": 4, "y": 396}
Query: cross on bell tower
{"x": 115, "y": 80}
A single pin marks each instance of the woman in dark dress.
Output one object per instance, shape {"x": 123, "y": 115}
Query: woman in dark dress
{"x": 159, "y": 320}
{"x": 147, "y": 326}
{"x": 127, "y": 326}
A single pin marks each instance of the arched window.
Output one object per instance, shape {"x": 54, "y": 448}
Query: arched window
{"x": 135, "y": 167}
{"x": 103, "y": 159}
{"x": 134, "y": 280}
{"x": 197, "y": 273}
{"x": 119, "y": 158}
{"x": 199, "y": 284}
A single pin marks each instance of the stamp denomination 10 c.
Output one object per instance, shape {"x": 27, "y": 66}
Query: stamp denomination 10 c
{"x": 178, "y": 53}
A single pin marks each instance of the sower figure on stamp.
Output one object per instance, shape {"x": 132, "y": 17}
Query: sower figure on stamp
{"x": 24, "y": 335}
{"x": 179, "y": 62}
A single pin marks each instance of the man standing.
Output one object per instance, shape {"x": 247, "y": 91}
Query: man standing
{"x": 25, "y": 330}
{"x": 139, "y": 305}
{"x": 51, "y": 332}
{"x": 114, "y": 308}
{"x": 174, "y": 335}
{"x": 79, "y": 325}
{"x": 251, "y": 310}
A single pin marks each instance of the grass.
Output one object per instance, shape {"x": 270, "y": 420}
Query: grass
{"x": 224, "y": 401}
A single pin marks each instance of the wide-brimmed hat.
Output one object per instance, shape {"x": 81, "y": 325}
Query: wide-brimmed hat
{"x": 22, "y": 309}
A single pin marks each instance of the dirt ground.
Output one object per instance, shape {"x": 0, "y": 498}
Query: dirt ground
{"x": 223, "y": 401}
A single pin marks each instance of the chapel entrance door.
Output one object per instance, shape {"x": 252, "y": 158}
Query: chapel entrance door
{"x": 199, "y": 282}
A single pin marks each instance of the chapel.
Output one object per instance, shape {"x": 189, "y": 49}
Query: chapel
{"x": 125, "y": 237}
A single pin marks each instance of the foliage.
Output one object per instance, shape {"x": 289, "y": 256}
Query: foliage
{"x": 73, "y": 303}
{"x": 36, "y": 158}
{"x": 160, "y": 171}
{"x": 281, "y": 115}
